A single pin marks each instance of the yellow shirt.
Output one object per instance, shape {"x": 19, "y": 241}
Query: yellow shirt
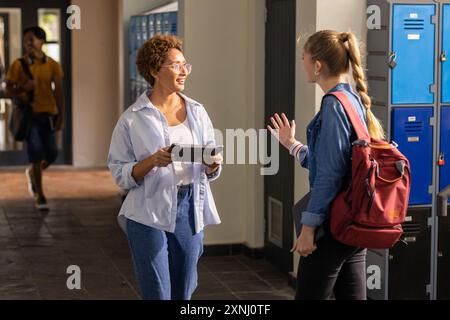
{"x": 44, "y": 74}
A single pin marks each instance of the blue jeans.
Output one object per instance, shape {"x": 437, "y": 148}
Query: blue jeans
{"x": 41, "y": 143}
{"x": 165, "y": 263}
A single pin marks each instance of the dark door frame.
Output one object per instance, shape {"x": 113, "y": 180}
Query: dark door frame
{"x": 280, "y": 97}
{"x": 29, "y": 18}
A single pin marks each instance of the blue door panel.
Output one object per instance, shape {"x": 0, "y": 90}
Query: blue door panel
{"x": 444, "y": 171}
{"x": 446, "y": 47}
{"x": 411, "y": 130}
{"x": 413, "y": 41}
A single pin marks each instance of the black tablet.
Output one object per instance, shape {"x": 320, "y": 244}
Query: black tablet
{"x": 194, "y": 154}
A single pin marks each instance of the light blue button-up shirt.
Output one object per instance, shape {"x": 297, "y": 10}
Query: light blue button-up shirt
{"x": 141, "y": 131}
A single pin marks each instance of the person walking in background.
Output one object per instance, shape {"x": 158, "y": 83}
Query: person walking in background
{"x": 168, "y": 204}
{"x": 44, "y": 91}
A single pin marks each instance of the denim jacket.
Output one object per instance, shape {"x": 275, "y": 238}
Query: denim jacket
{"x": 328, "y": 153}
{"x": 140, "y": 132}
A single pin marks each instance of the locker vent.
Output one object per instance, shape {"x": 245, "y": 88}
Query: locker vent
{"x": 413, "y": 24}
{"x": 416, "y": 126}
{"x": 275, "y": 222}
{"x": 411, "y": 232}
{"x": 411, "y": 229}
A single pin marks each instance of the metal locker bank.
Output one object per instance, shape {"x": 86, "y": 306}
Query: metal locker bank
{"x": 409, "y": 80}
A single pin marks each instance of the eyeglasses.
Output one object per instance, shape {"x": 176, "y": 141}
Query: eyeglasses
{"x": 176, "y": 67}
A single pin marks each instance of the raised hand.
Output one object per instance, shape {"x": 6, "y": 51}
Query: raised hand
{"x": 283, "y": 130}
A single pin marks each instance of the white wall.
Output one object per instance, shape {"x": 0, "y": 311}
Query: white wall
{"x": 312, "y": 16}
{"x": 224, "y": 42}
{"x": 255, "y": 118}
{"x": 95, "y": 82}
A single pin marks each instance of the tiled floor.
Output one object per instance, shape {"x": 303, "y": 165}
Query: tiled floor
{"x": 80, "y": 229}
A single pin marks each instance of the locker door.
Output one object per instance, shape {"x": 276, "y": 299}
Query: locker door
{"x": 151, "y": 25}
{"x": 173, "y": 21}
{"x": 444, "y": 178}
{"x": 166, "y": 23}
{"x": 144, "y": 29}
{"x": 413, "y": 42}
{"x": 158, "y": 23}
{"x": 412, "y": 131}
{"x": 443, "y": 266}
{"x": 446, "y": 52}
{"x": 405, "y": 281}
{"x": 134, "y": 39}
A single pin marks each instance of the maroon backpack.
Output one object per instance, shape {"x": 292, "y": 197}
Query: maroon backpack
{"x": 369, "y": 212}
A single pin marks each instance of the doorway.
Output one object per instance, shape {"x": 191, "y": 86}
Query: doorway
{"x": 280, "y": 97}
{"x": 50, "y": 15}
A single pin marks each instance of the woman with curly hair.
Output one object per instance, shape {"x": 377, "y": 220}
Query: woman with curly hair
{"x": 168, "y": 203}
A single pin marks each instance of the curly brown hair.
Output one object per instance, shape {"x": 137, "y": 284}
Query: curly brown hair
{"x": 153, "y": 53}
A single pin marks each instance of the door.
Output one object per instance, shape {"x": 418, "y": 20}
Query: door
{"x": 413, "y": 46}
{"x": 280, "y": 97}
{"x": 50, "y": 15}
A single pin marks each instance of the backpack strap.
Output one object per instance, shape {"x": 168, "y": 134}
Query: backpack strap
{"x": 353, "y": 116}
{"x": 26, "y": 68}
{"x": 27, "y": 71}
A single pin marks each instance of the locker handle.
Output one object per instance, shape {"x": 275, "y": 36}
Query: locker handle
{"x": 392, "y": 60}
{"x": 442, "y": 201}
{"x": 441, "y": 160}
{"x": 443, "y": 56}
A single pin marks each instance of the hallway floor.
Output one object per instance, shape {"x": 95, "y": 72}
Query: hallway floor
{"x": 81, "y": 229}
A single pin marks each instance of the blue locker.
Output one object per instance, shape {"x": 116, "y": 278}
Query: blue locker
{"x": 158, "y": 23}
{"x": 173, "y": 22}
{"x": 166, "y": 23}
{"x": 144, "y": 28}
{"x": 151, "y": 25}
{"x": 446, "y": 51}
{"x": 412, "y": 131}
{"x": 132, "y": 46}
{"x": 413, "y": 42}
{"x": 138, "y": 32}
{"x": 444, "y": 172}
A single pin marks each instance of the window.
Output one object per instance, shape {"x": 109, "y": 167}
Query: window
{"x": 50, "y": 21}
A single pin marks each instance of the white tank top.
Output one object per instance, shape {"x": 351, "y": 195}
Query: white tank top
{"x": 182, "y": 134}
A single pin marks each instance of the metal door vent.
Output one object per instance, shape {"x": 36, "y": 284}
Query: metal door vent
{"x": 413, "y": 24}
{"x": 275, "y": 222}
{"x": 416, "y": 126}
